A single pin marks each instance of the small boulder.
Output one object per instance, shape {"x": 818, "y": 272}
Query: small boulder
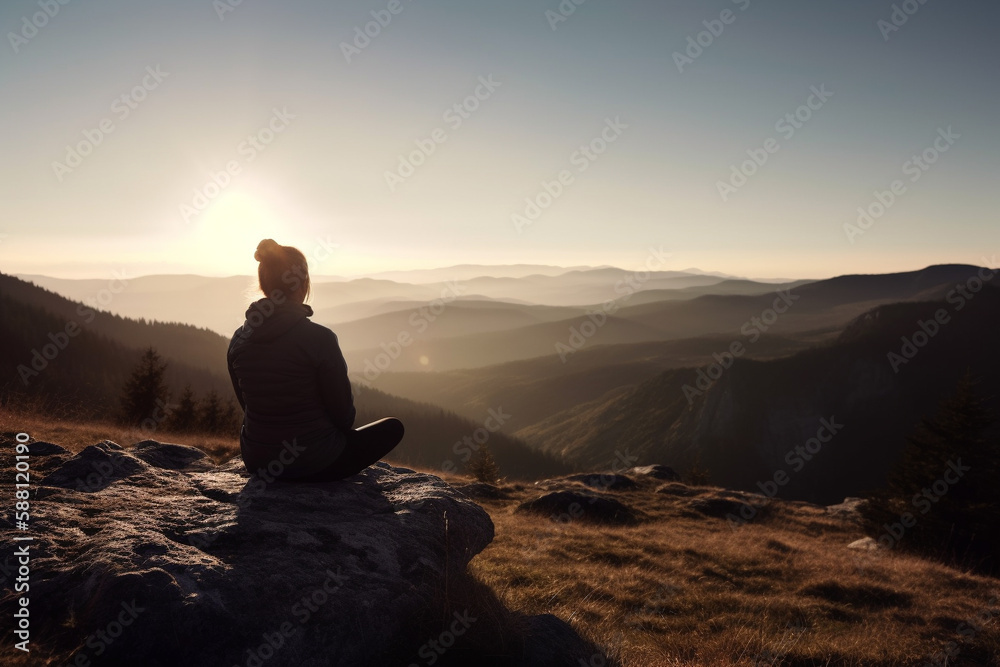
{"x": 722, "y": 507}
{"x": 172, "y": 457}
{"x": 604, "y": 481}
{"x": 39, "y": 448}
{"x": 483, "y": 491}
{"x": 677, "y": 489}
{"x": 850, "y": 507}
{"x": 568, "y": 506}
{"x": 864, "y": 544}
{"x": 656, "y": 471}
{"x": 95, "y": 468}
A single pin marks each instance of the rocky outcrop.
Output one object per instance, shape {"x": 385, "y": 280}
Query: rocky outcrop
{"x": 156, "y": 556}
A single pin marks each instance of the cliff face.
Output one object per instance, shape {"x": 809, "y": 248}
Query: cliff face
{"x": 155, "y": 556}
{"x": 834, "y": 418}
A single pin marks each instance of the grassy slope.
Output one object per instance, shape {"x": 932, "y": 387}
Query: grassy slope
{"x": 684, "y": 589}
{"x": 681, "y": 588}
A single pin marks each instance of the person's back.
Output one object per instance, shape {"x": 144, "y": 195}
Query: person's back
{"x": 291, "y": 379}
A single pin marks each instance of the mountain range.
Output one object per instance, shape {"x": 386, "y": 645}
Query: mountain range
{"x": 681, "y": 368}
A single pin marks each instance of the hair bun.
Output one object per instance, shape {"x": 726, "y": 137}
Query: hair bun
{"x": 265, "y": 248}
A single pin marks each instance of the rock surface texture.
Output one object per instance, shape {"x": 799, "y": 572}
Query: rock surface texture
{"x": 156, "y": 556}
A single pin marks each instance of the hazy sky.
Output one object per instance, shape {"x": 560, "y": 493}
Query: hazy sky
{"x": 199, "y": 79}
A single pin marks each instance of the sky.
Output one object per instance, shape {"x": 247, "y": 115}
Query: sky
{"x": 739, "y": 136}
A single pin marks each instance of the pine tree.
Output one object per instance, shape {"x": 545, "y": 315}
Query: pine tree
{"x": 144, "y": 391}
{"x": 185, "y": 416}
{"x": 232, "y": 419}
{"x": 956, "y": 514}
{"x": 484, "y": 467}
{"x": 697, "y": 474}
{"x": 210, "y": 418}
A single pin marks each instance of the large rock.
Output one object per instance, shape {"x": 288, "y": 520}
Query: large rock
{"x": 154, "y": 556}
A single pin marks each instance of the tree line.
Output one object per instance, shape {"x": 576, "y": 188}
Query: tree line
{"x": 147, "y": 402}
{"x": 942, "y": 498}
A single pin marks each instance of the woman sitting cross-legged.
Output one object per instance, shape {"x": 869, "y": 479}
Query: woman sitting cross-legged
{"x": 291, "y": 379}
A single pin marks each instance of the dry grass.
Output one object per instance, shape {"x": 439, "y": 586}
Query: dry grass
{"x": 686, "y": 589}
{"x": 75, "y": 435}
{"x": 781, "y": 590}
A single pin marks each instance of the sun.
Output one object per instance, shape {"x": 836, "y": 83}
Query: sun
{"x": 229, "y": 230}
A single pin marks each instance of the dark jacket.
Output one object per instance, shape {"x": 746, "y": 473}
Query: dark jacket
{"x": 291, "y": 379}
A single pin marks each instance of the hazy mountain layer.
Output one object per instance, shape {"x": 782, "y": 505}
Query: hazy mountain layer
{"x": 853, "y": 401}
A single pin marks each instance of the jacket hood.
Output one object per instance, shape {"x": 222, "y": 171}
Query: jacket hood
{"x": 267, "y": 320}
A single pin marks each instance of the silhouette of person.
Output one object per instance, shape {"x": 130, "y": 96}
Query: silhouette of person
{"x": 291, "y": 379}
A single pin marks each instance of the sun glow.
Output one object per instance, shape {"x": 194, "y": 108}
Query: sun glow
{"x": 230, "y": 229}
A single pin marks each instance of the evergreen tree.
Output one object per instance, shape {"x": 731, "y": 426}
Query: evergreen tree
{"x": 232, "y": 419}
{"x": 185, "y": 416}
{"x": 947, "y": 480}
{"x": 697, "y": 474}
{"x": 144, "y": 391}
{"x": 210, "y": 418}
{"x": 484, "y": 467}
